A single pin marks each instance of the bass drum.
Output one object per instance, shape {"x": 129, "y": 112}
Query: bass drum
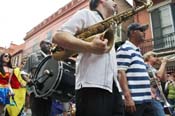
{"x": 55, "y": 79}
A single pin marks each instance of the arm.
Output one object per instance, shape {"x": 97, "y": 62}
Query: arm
{"x": 124, "y": 84}
{"x": 31, "y": 62}
{"x": 68, "y": 41}
{"x": 129, "y": 103}
{"x": 123, "y": 62}
{"x": 65, "y": 35}
{"x": 160, "y": 73}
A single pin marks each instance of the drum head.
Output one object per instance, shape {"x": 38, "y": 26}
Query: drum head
{"x": 46, "y": 77}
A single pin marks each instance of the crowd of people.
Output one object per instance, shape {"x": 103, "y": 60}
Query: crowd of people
{"x": 16, "y": 89}
{"x": 109, "y": 81}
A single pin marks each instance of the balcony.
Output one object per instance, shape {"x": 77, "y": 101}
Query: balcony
{"x": 162, "y": 44}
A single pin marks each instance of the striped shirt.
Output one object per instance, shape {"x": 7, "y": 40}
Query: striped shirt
{"x": 130, "y": 59}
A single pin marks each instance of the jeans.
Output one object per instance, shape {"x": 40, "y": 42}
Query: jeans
{"x": 144, "y": 109}
{"x": 172, "y": 102}
{"x": 158, "y": 108}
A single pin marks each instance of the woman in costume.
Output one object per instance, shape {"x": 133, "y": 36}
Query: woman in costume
{"x": 11, "y": 78}
{"x": 5, "y": 73}
{"x": 19, "y": 88}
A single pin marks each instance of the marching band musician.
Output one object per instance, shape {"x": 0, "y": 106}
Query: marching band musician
{"x": 95, "y": 64}
{"x": 39, "y": 106}
{"x": 151, "y": 60}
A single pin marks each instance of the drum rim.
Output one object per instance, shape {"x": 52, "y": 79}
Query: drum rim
{"x": 47, "y": 93}
{"x": 60, "y": 72}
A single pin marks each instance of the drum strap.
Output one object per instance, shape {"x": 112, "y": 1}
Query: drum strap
{"x": 45, "y": 55}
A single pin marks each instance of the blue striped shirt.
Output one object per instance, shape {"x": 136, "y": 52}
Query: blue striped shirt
{"x": 130, "y": 59}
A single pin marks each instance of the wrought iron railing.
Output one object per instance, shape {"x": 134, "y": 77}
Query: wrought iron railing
{"x": 167, "y": 42}
{"x": 164, "y": 43}
{"x": 161, "y": 45}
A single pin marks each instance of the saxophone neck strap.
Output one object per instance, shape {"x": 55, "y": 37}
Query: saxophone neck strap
{"x": 99, "y": 13}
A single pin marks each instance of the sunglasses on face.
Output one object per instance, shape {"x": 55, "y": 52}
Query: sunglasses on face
{"x": 154, "y": 55}
{"x": 141, "y": 30}
{"x": 6, "y": 56}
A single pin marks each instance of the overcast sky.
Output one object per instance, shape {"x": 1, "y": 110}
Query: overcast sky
{"x": 17, "y": 17}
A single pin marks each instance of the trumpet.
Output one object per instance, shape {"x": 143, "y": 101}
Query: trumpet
{"x": 162, "y": 54}
{"x": 167, "y": 60}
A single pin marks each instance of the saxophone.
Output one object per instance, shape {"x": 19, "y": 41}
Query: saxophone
{"x": 103, "y": 27}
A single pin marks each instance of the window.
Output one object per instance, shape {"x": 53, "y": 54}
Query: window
{"x": 35, "y": 46}
{"x": 49, "y": 35}
{"x": 162, "y": 26}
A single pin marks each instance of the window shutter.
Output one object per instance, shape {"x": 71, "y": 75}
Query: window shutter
{"x": 156, "y": 25}
{"x": 173, "y": 13}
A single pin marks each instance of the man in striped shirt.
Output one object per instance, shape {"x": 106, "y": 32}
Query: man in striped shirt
{"x": 133, "y": 76}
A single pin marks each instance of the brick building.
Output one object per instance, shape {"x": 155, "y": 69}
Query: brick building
{"x": 160, "y": 36}
{"x": 48, "y": 27}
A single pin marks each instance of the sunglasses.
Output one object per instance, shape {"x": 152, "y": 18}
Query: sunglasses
{"x": 154, "y": 55}
{"x": 142, "y": 30}
{"x": 6, "y": 56}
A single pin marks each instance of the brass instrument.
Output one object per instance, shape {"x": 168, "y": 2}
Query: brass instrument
{"x": 158, "y": 84}
{"x": 73, "y": 109}
{"x": 166, "y": 54}
{"x": 100, "y": 28}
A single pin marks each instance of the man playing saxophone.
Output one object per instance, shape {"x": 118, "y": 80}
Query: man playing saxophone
{"x": 95, "y": 64}
{"x": 151, "y": 60}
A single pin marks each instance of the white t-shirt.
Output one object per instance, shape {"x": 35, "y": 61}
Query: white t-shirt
{"x": 92, "y": 70}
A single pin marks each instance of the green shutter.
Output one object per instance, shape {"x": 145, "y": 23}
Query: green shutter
{"x": 173, "y": 13}
{"x": 156, "y": 25}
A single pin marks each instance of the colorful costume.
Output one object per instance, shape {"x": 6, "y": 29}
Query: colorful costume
{"x": 4, "y": 90}
{"x": 20, "y": 93}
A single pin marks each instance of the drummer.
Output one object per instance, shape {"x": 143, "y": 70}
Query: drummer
{"x": 39, "y": 106}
